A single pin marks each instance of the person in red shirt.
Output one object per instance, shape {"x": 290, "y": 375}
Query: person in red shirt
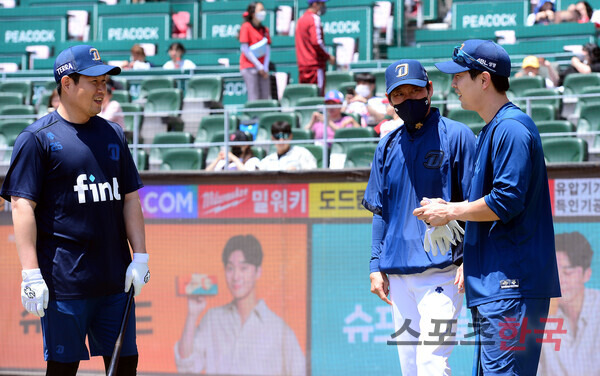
{"x": 311, "y": 54}
{"x": 254, "y": 59}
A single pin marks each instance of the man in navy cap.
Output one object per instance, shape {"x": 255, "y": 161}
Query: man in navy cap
{"x": 509, "y": 259}
{"x": 417, "y": 264}
{"x": 73, "y": 187}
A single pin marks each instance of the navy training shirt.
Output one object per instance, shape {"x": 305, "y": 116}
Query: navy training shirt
{"x": 434, "y": 161}
{"x": 78, "y": 175}
{"x": 513, "y": 257}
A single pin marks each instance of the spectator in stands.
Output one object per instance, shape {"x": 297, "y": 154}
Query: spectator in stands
{"x": 576, "y": 312}
{"x": 111, "y": 110}
{"x": 311, "y": 53}
{"x": 138, "y": 59}
{"x": 53, "y": 101}
{"x": 256, "y": 53}
{"x": 588, "y": 62}
{"x": 582, "y": 11}
{"x": 240, "y": 157}
{"x": 543, "y": 14}
{"x": 287, "y": 157}
{"x": 335, "y": 118}
{"x": 391, "y": 121}
{"x": 242, "y": 337}
{"x": 370, "y": 107}
{"x": 176, "y": 52}
{"x": 532, "y": 65}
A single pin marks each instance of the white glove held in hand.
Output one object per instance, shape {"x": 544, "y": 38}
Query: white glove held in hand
{"x": 441, "y": 237}
{"x": 137, "y": 273}
{"x": 457, "y": 231}
{"x": 34, "y": 292}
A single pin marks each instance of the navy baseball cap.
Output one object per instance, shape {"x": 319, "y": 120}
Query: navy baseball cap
{"x": 482, "y": 55}
{"x": 82, "y": 59}
{"x": 405, "y": 72}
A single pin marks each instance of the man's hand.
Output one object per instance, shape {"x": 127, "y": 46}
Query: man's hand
{"x": 434, "y": 212}
{"x": 459, "y": 280}
{"x": 380, "y": 286}
{"x": 137, "y": 273}
{"x": 34, "y": 292}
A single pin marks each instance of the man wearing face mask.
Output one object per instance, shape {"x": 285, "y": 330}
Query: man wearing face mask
{"x": 370, "y": 107}
{"x": 311, "y": 53}
{"x": 429, "y": 155}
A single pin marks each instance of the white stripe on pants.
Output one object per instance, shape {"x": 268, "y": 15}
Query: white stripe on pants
{"x": 421, "y": 298}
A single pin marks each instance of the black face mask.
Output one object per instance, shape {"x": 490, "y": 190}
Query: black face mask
{"x": 412, "y": 112}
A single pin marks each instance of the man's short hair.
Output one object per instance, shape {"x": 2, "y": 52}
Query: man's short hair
{"x": 576, "y": 247}
{"x": 281, "y": 126}
{"x": 501, "y": 83}
{"x": 248, "y": 245}
{"x": 364, "y": 77}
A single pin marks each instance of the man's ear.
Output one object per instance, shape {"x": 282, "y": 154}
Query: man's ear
{"x": 66, "y": 82}
{"x": 486, "y": 79}
{"x": 587, "y": 274}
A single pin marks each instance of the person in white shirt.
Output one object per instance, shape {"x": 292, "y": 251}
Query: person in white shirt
{"x": 576, "y": 313}
{"x": 287, "y": 157}
{"x": 240, "y": 157}
{"x": 176, "y": 51}
{"x": 243, "y": 337}
{"x": 111, "y": 110}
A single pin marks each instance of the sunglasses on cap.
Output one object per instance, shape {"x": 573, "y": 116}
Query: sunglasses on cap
{"x": 281, "y": 135}
{"x": 462, "y": 58}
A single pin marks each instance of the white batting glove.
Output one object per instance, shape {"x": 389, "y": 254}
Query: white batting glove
{"x": 439, "y": 237}
{"x": 457, "y": 231}
{"x": 137, "y": 273}
{"x": 34, "y": 292}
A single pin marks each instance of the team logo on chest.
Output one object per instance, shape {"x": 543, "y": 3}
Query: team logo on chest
{"x": 434, "y": 159}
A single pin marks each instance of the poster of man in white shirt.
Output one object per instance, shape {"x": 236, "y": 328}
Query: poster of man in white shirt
{"x": 243, "y": 337}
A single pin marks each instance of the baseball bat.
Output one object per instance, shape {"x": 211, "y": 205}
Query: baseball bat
{"x": 114, "y": 361}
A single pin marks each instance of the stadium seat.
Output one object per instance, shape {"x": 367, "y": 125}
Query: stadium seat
{"x": 159, "y": 112}
{"x": 209, "y": 88}
{"x": 519, "y": 84}
{"x": 142, "y": 160}
{"x": 302, "y": 134}
{"x": 24, "y": 88}
{"x": 157, "y": 154}
{"x": 360, "y": 155}
{"x": 441, "y": 81}
{"x": 589, "y": 121}
{"x": 344, "y": 133}
{"x": 258, "y": 152}
{"x": 293, "y": 92}
{"x": 437, "y": 100}
{"x": 543, "y": 112}
{"x": 121, "y": 96}
{"x": 304, "y": 115}
{"x": 153, "y": 83}
{"x": 554, "y": 126}
{"x": 334, "y": 79}
{"x": 586, "y": 100}
{"x": 317, "y": 152}
{"x": 183, "y": 159}
{"x": 544, "y": 92}
{"x": 379, "y": 82}
{"x": 163, "y": 100}
{"x": 267, "y": 119}
{"x": 209, "y": 125}
{"x": 130, "y": 120}
{"x": 465, "y": 116}
{"x": 18, "y": 109}
{"x": 574, "y": 83}
{"x": 10, "y": 129}
{"x": 345, "y": 86}
{"x": 565, "y": 150}
{"x": 7, "y": 99}
{"x": 266, "y": 104}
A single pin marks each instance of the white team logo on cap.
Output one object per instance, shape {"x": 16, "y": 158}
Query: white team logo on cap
{"x": 95, "y": 54}
{"x": 402, "y": 70}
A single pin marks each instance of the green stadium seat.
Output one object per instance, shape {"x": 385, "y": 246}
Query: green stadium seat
{"x": 317, "y": 152}
{"x": 544, "y": 92}
{"x": 554, "y": 126}
{"x": 153, "y": 83}
{"x": 121, "y": 96}
{"x": 574, "y": 83}
{"x": 542, "y": 112}
{"x": 465, "y": 116}
{"x": 18, "y": 109}
{"x": 345, "y": 86}
{"x": 360, "y": 155}
{"x": 209, "y": 88}
{"x": 441, "y": 81}
{"x": 334, "y": 79}
{"x": 209, "y": 125}
{"x": 130, "y": 120}
{"x": 437, "y": 100}
{"x": 258, "y": 152}
{"x": 587, "y": 100}
{"x": 183, "y": 159}
{"x": 25, "y": 88}
{"x": 561, "y": 150}
{"x": 519, "y": 84}
{"x": 157, "y": 154}
{"x": 142, "y": 160}
{"x": 589, "y": 121}
{"x": 163, "y": 100}
{"x": 7, "y": 99}
{"x": 302, "y": 134}
{"x": 304, "y": 115}
{"x": 10, "y": 129}
{"x": 267, "y": 104}
{"x": 293, "y": 92}
{"x": 379, "y": 82}
{"x": 345, "y": 133}
{"x": 267, "y": 119}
